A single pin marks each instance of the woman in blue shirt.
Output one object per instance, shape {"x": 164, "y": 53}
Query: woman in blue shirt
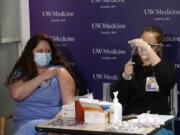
{"x": 40, "y": 83}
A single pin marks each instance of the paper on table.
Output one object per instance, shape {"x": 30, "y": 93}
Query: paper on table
{"x": 161, "y": 119}
{"x": 150, "y": 120}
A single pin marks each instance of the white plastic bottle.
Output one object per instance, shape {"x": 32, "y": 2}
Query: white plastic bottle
{"x": 116, "y": 111}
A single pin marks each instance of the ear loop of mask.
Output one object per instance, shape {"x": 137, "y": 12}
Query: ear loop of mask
{"x": 158, "y": 48}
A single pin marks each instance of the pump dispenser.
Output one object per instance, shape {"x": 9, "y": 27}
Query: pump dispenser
{"x": 115, "y": 111}
{"x": 115, "y": 100}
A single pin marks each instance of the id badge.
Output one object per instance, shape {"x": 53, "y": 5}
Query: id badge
{"x": 45, "y": 83}
{"x": 151, "y": 84}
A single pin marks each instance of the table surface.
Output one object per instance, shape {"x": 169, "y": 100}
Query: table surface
{"x": 69, "y": 125}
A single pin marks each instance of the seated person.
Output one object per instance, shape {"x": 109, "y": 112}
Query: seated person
{"x": 40, "y": 83}
{"x": 146, "y": 80}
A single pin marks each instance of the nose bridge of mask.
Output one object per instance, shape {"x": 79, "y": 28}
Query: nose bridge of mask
{"x": 44, "y": 55}
{"x": 41, "y": 56}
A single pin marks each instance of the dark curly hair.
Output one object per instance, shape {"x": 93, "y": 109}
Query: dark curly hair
{"x": 26, "y": 65}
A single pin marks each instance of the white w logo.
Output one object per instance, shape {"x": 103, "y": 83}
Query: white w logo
{"x": 149, "y": 11}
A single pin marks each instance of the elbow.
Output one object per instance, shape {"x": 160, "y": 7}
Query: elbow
{"x": 16, "y": 95}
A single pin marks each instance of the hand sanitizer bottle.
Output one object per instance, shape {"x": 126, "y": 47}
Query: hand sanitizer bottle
{"x": 115, "y": 111}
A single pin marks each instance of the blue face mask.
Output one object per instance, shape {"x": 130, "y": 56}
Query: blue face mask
{"x": 42, "y": 59}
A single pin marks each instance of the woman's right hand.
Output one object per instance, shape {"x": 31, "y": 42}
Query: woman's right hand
{"x": 50, "y": 72}
{"x": 20, "y": 90}
{"x": 128, "y": 68}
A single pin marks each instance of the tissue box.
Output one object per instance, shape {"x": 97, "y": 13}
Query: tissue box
{"x": 95, "y": 117}
{"x": 88, "y": 110}
{"x": 68, "y": 110}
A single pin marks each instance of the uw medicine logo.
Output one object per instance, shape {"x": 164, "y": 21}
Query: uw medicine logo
{"x": 171, "y": 40}
{"x": 177, "y": 66}
{"x": 107, "y": 4}
{"x": 62, "y": 40}
{"x": 108, "y": 54}
{"x": 108, "y": 28}
{"x": 57, "y": 16}
{"x": 108, "y": 1}
{"x": 162, "y": 14}
{"x": 106, "y": 76}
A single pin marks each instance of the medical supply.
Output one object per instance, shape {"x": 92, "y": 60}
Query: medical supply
{"x": 68, "y": 110}
{"x": 115, "y": 111}
{"x": 95, "y": 117}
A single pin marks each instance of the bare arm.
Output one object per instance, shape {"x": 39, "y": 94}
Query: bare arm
{"x": 153, "y": 57}
{"x": 20, "y": 90}
{"x": 67, "y": 86}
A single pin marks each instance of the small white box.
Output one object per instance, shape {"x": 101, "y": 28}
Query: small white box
{"x": 68, "y": 110}
{"x": 95, "y": 117}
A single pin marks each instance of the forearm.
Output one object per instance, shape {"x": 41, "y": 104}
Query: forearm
{"x": 22, "y": 90}
{"x": 67, "y": 86}
{"x": 68, "y": 99}
{"x": 153, "y": 57}
{"x": 68, "y": 96}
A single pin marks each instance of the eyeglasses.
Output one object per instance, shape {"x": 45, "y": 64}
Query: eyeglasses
{"x": 155, "y": 45}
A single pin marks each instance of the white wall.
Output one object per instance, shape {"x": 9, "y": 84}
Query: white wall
{"x": 10, "y": 28}
{"x": 14, "y": 22}
{"x": 24, "y": 24}
{"x": 14, "y": 33}
{"x": 8, "y": 56}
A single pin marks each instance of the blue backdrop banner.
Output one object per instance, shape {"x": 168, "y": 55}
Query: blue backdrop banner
{"x": 93, "y": 34}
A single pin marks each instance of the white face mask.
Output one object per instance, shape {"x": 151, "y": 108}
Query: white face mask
{"x": 42, "y": 59}
{"x": 143, "y": 54}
